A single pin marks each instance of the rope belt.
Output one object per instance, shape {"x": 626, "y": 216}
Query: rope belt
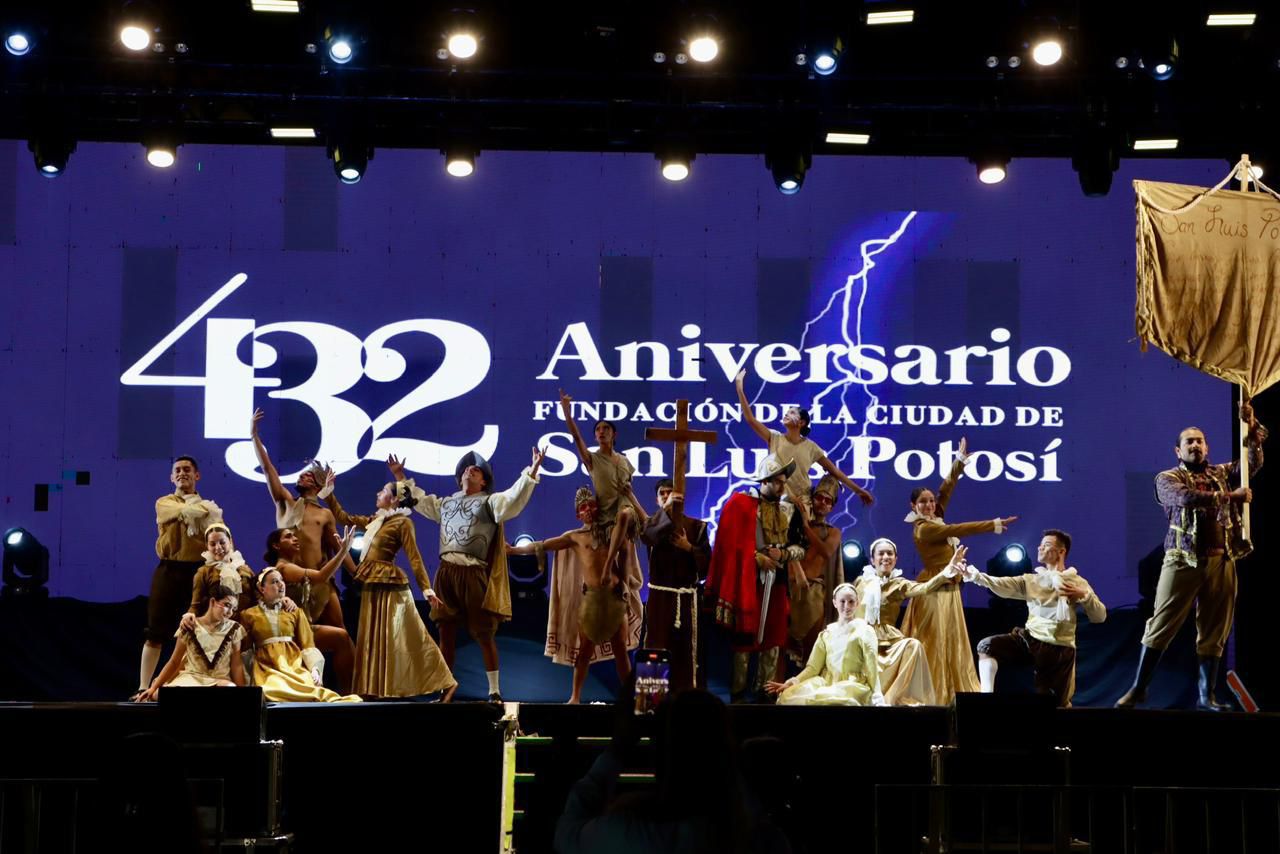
{"x": 691, "y": 592}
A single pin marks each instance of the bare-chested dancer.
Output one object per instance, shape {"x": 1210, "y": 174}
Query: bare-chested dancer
{"x": 603, "y": 613}
{"x": 318, "y": 541}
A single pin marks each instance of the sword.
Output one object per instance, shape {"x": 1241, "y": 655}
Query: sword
{"x": 766, "y": 578}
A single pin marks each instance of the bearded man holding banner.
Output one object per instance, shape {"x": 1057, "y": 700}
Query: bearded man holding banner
{"x": 1201, "y": 547}
{"x": 1205, "y": 297}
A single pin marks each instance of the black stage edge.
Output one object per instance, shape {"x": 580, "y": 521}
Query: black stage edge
{"x": 391, "y": 776}
{"x": 358, "y": 777}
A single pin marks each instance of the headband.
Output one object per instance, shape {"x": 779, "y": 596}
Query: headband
{"x": 872, "y": 551}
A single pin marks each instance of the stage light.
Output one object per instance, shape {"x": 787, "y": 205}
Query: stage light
{"x": 350, "y": 160}
{"x": 675, "y": 170}
{"x": 1014, "y": 61}
{"x": 824, "y": 51}
{"x": 1166, "y": 144}
{"x": 293, "y": 133}
{"x": 788, "y": 164}
{"x": 825, "y": 56}
{"x": 26, "y": 564}
{"x": 1158, "y": 55}
{"x": 51, "y": 154}
{"x": 162, "y": 148}
{"x": 992, "y": 169}
{"x": 459, "y": 161}
{"x": 462, "y": 33}
{"x": 1238, "y": 19}
{"x": 463, "y": 45}
{"x": 1095, "y": 163}
{"x": 135, "y": 37}
{"x": 901, "y": 16}
{"x": 287, "y": 6}
{"x": 341, "y": 50}
{"x": 1010, "y": 559}
{"x": 854, "y": 557}
{"x": 1047, "y": 52}
{"x": 675, "y": 165}
{"x": 18, "y": 44}
{"x": 525, "y": 571}
{"x": 161, "y": 154}
{"x": 357, "y": 547}
{"x": 841, "y": 138}
{"x": 704, "y": 48}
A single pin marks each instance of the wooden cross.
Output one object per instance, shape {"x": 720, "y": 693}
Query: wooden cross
{"x": 682, "y": 436}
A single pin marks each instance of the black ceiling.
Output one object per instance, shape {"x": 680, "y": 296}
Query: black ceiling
{"x": 581, "y": 76}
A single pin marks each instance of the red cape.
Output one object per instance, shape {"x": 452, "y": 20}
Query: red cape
{"x": 733, "y": 579}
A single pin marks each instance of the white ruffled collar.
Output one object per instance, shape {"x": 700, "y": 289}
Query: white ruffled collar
{"x": 842, "y": 629}
{"x": 228, "y": 570}
{"x": 398, "y": 511}
{"x": 872, "y": 597}
{"x": 380, "y": 518}
{"x": 1051, "y": 579}
{"x": 233, "y": 560}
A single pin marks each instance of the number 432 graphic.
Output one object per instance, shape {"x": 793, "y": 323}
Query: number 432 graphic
{"x": 342, "y": 360}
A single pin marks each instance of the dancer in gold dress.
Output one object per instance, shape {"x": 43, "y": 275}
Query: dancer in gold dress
{"x": 937, "y": 621}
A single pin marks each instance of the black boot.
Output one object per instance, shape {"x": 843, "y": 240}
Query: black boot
{"x": 1209, "y": 681}
{"x": 1146, "y": 669}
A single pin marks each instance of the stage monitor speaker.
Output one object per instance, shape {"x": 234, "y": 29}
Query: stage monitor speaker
{"x": 213, "y": 715}
{"x": 1004, "y": 721}
{"x": 243, "y": 784}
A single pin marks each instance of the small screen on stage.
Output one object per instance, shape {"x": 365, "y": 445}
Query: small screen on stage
{"x": 653, "y": 680}
{"x": 903, "y": 303}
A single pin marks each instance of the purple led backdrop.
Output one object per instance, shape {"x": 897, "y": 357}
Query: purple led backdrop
{"x": 419, "y": 314}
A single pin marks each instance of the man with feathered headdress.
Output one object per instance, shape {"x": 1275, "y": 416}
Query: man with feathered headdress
{"x": 317, "y": 532}
{"x": 312, "y": 523}
{"x": 811, "y": 580}
{"x": 471, "y": 583}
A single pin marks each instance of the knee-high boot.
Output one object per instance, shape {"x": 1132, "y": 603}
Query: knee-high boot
{"x": 1146, "y": 669}
{"x": 1208, "y": 682}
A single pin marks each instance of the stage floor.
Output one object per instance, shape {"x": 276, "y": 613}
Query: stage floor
{"x": 67, "y": 649}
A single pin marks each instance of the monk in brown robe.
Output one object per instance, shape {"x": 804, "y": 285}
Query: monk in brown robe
{"x": 678, "y": 559}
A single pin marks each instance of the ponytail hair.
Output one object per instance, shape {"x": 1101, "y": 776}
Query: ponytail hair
{"x": 272, "y": 554}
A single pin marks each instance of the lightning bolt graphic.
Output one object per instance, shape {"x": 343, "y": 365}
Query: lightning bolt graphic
{"x": 867, "y": 251}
